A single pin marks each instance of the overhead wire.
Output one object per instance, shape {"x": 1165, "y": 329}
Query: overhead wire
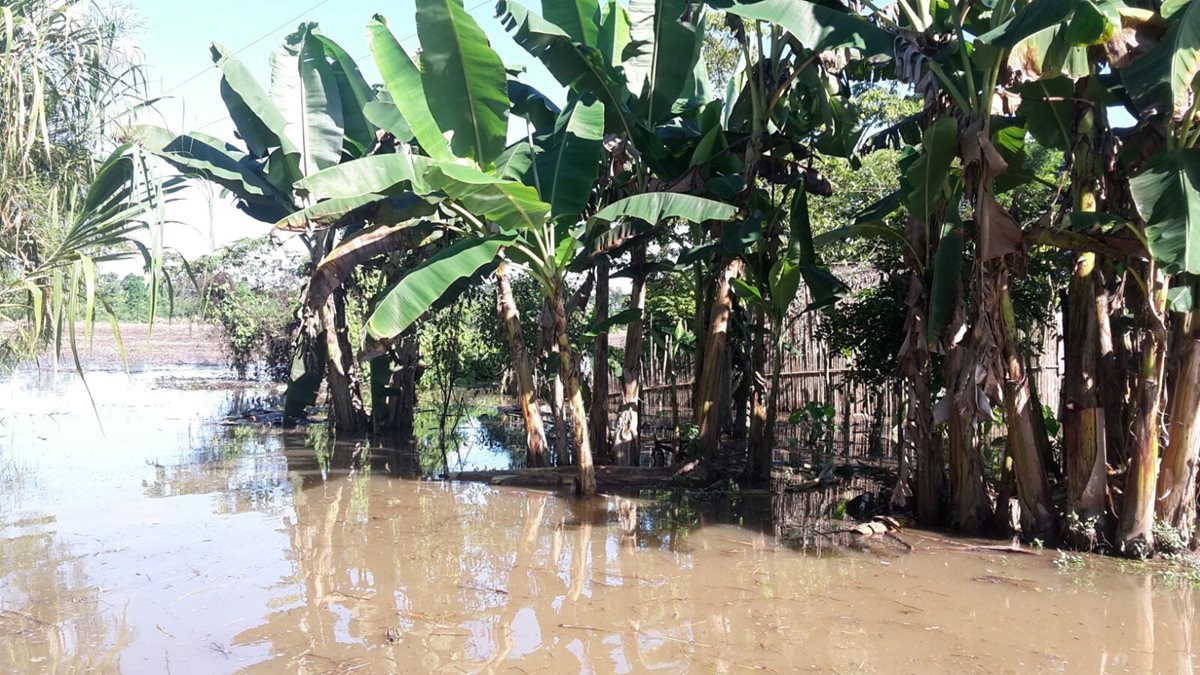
{"x": 264, "y": 36}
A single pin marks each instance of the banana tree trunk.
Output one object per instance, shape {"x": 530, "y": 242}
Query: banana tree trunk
{"x": 970, "y": 507}
{"x": 626, "y": 447}
{"x": 1135, "y": 534}
{"x": 1084, "y": 418}
{"x": 701, "y": 323}
{"x": 673, "y": 378}
{"x": 341, "y": 376}
{"x": 535, "y": 431}
{"x": 1029, "y": 467}
{"x": 918, "y": 445}
{"x": 712, "y": 383}
{"x": 570, "y": 368}
{"x": 758, "y": 402}
{"x": 1180, "y": 464}
{"x": 558, "y": 405}
{"x": 599, "y": 419}
{"x": 765, "y": 457}
{"x": 395, "y": 380}
{"x": 549, "y": 348}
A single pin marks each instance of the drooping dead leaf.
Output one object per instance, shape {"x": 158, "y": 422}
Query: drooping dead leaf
{"x": 1140, "y": 31}
{"x": 980, "y": 154}
{"x": 999, "y": 233}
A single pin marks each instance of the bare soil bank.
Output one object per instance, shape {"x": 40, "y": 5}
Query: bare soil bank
{"x": 164, "y": 344}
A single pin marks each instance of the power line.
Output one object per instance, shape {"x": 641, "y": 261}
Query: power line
{"x": 257, "y": 40}
{"x": 356, "y": 59}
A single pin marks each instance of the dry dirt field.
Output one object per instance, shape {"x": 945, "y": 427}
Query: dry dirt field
{"x": 169, "y": 343}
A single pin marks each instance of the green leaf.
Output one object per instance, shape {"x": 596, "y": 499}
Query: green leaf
{"x": 1036, "y": 16}
{"x": 1167, "y": 195}
{"x": 947, "y": 272}
{"x": 257, "y": 119}
{"x": 574, "y": 66}
{"x": 356, "y": 95}
{"x": 376, "y": 209}
{"x": 509, "y": 204}
{"x": 386, "y": 116}
{"x": 622, "y": 318}
{"x": 747, "y": 292}
{"x": 1170, "y": 7}
{"x": 321, "y": 124}
{"x": 1165, "y": 75}
{"x": 568, "y": 168}
{"x": 1048, "y": 53}
{"x": 1047, "y": 107}
{"x": 614, "y": 33}
{"x": 654, "y": 207}
{"x": 403, "y": 81}
{"x": 1093, "y": 23}
{"x": 800, "y": 239}
{"x": 876, "y": 213}
{"x": 515, "y": 162}
{"x": 863, "y": 230}
{"x": 660, "y": 57}
{"x": 214, "y": 160}
{"x": 802, "y": 260}
{"x": 825, "y": 288}
{"x": 463, "y": 79}
{"x": 324, "y": 214}
{"x": 577, "y": 18}
{"x": 419, "y": 290}
{"x": 818, "y": 27}
{"x": 1181, "y": 299}
{"x": 532, "y": 105}
{"x": 926, "y": 178}
{"x": 376, "y": 174}
{"x": 784, "y": 280}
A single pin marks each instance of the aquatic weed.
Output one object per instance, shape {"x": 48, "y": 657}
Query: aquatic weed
{"x": 1167, "y": 540}
{"x": 1070, "y": 562}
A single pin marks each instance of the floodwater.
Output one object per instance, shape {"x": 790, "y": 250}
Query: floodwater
{"x": 170, "y": 543}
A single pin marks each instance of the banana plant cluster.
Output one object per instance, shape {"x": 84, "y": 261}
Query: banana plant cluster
{"x": 995, "y": 78}
{"x": 646, "y": 160}
{"x": 642, "y": 148}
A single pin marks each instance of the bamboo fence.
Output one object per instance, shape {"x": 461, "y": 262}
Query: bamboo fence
{"x": 867, "y": 420}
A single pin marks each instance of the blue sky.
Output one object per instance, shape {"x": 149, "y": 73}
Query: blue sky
{"x": 174, "y": 38}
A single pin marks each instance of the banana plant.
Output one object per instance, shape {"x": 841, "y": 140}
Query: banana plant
{"x": 313, "y": 116}
{"x": 536, "y": 226}
{"x": 1162, "y": 480}
{"x": 536, "y": 231}
{"x": 773, "y": 297}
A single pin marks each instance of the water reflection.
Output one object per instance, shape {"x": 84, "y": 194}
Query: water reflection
{"x": 174, "y": 543}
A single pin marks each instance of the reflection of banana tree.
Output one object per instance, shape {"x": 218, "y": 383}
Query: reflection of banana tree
{"x": 312, "y": 118}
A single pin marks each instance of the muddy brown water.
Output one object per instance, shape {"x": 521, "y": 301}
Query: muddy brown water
{"x": 169, "y": 543}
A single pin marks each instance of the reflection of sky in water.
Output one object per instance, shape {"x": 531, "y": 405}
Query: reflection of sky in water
{"x": 480, "y": 448}
{"x": 172, "y": 543}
